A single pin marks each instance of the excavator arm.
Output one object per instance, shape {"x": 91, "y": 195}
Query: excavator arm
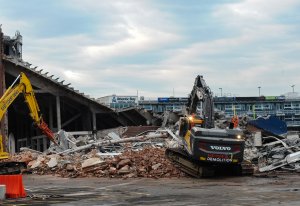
{"x": 24, "y": 86}
{"x": 201, "y": 93}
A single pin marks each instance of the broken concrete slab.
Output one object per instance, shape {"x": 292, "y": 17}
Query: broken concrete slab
{"x": 112, "y": 170}
{"x": 113, "y": 136}
{"x": 34, "y": 164}
{"x": 70, "y": 167}
{"x": 257, "y": 139}
{"x": 291, "y": 158}
{"x": 52, "y": 163}
{"x": 91, "y": 162}
{"x": 108, "y": 154}
{"x": 124, "y": 162}
{"x": 124, "y": 170}
{"x": 156, "y": 166}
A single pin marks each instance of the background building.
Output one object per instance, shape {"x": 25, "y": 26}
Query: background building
{"x": 162, "y": 104}
{"x": 286, "y": 107}
{"x": 118, "y": 102}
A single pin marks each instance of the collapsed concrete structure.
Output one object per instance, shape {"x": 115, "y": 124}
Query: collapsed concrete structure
{"x": 111, "y": 154}
{"x": 62, "y": 106}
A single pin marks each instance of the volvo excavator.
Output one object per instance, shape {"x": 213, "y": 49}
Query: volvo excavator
{"x": 23, "y": 86}
{"x": 206, "y": 150}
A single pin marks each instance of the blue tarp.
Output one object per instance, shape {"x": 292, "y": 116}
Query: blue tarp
{"x": 270, "y": 124}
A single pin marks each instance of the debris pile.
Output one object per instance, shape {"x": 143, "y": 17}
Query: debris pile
{"x": 149, "y": 162}
{"x": 106, "y": 155}
{"x": 280, "y": 153}
{"x": 271, "y": 151}
{"x": 113, "y": 153}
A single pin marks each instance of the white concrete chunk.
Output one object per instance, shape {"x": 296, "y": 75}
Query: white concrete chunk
{"x": 52, "y": 163}
{"x": 91, "y": 162}
{"x": 36, "y": 164}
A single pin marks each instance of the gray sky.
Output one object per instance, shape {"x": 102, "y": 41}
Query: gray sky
{"x": 157, "y": 47}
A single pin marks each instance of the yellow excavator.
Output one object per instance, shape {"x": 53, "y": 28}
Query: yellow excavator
{"x": 207, "y": 150}
{"x": 23, "y": 86}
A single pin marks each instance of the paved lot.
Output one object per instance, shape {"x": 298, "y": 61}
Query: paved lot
{"x": 50, "y": 190}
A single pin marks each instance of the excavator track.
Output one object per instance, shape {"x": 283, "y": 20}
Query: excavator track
{"x": 199, "y": 170}
{"x": 247, "y": 168}
{"x": 181, "y": 159}
{"x": 12, "y": 167}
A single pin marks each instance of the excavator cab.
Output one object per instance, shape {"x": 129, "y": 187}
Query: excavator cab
{"x": 188, "y": 122}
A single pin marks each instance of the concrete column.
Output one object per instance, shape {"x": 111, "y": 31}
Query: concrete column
{"x": 51, "y": 116}
{"x": 58, "y": 114}
{"x": 94, "y": 121}
{"x": 45, "y": 147}
{"x": 11, "y": 143}
{"x": 94, "y": 125}
{"x": 87, "y": 119}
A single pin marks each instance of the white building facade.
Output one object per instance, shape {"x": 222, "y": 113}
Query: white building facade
{"x": 118, "y": 102}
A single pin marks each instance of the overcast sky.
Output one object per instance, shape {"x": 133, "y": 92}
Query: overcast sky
{"x": 158, "y": 47}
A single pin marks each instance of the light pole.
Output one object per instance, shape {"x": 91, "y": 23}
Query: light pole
{"x": 221, "y": 91}
{"x": 293, "y": 87}
{"x": 259, "y": 90}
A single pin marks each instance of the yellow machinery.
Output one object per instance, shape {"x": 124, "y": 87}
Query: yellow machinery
{"x": 24, "y": 86}
{"x": 207, "y": 150}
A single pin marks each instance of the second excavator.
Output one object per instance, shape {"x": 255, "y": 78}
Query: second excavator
{"x": 23, "y": 86}
{"x": 205, "y": 149}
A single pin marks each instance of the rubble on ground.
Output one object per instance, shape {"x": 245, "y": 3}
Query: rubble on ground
{"x": 148, "y": 162}
{"x": 111, "y": 153}
{"x": 107, "y": 156}
{"x": 272, "y": 152}
{"x": 268, "y": 145}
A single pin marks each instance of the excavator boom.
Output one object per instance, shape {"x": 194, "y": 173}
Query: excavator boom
{"x": 24, "y": 86}
{"x": 201, "y": 93}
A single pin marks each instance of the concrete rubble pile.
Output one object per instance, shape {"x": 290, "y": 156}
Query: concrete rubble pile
{"x": 112, "y": 153}
{"x": 271, "y": 152}
{"x": 266, "y": 150}
{"x": 109, "y": 156}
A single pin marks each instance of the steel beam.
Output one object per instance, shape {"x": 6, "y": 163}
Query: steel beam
{"x": 94, "y": 121}
{"x": 50, "y": 115}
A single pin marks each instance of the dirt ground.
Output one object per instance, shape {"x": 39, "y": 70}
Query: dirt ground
{"x": 50, "y": 190}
